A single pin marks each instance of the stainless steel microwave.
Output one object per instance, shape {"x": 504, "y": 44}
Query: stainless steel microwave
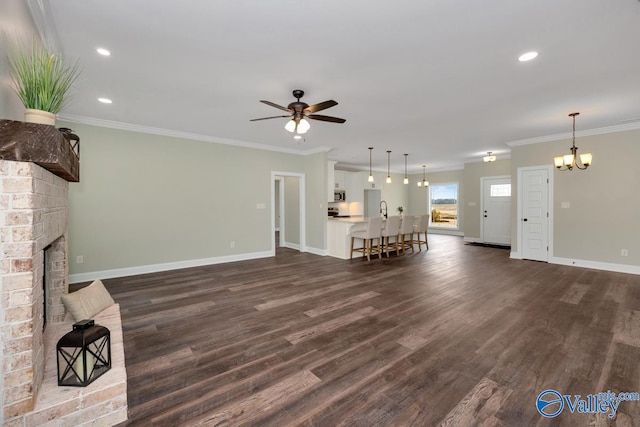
{"x": 339, "y": 196}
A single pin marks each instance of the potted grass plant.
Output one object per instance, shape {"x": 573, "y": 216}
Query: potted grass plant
{"x": 42, "y": 81}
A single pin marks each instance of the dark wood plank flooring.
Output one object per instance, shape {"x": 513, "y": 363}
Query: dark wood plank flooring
{"x": 457, "y": 335}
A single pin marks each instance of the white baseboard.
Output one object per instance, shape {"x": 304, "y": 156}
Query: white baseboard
{"x": 445, "y": 231}
{"x": 607, "y": 266}
{"x": 316, "y": 251}
{"x": 596, "y": 265}
{"x": 154, "y": 268}
{"x": 293, "y": 246}
{"x": 472, "y": 240}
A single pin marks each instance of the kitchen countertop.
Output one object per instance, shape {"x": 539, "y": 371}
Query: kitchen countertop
{"x": 349, "y": 220}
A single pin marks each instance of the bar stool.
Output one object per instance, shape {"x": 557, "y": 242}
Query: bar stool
{"x": 371, "y": 232}
{"x": 421, "y": 227}
{"x": 406, "y": 233}
{"x": 391, "y": 229}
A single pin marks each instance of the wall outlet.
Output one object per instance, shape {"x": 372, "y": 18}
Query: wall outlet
{"x": 232, "y": 244}
{"x": 565, "y": 205}
{"x": 79, "y": 259}
{"x": 624, "y": 252}
{"x": 260, "y": 206}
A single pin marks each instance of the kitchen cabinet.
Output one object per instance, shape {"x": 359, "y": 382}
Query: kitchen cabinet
{"x": 339, "y": 178}
{"x": 353, "y": 184}
{"x": 330, "y": 180}
{"x": 338, "y": 238}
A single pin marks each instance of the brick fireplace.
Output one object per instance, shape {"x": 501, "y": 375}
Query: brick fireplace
{"x": 37, "y": 162}
{"x": 35, "y": 208}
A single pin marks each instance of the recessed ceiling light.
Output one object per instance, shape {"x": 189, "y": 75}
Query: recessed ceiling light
{"x": 103, "y": 51}
{"x": 105, "y": 100}
{"x": 527, "y": 56}
{"x": 297, "y": 137}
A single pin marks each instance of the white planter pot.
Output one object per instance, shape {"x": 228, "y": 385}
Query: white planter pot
{"x": 39, "y": 116}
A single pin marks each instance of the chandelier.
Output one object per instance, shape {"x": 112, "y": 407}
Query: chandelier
{"x": 569, "y": 161}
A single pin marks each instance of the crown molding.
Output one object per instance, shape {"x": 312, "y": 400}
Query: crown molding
{"x": 569, "y": 135}
{"x": 185, "y": 135}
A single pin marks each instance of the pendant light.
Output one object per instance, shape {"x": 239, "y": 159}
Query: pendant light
{"x": 424, "y": 183}
{"x": 388, "y": 166}
{"x": 569, "y": 161}
{"x": 406, "y": 178}
{"x": 370, "y": 174}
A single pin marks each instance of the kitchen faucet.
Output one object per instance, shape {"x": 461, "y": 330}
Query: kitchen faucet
{"x": 385, "y": 208}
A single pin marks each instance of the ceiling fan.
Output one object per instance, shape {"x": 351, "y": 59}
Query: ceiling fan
{"x": 300, "y": 111}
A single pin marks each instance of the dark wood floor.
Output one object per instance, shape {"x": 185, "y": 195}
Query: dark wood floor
{"x": 459, "y": 335}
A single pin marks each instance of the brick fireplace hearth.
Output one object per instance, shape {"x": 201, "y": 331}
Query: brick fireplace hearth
{"x": 36, "y": 165}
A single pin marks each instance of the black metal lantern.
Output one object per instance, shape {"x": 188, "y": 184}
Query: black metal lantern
{"x": 84, "y": 354}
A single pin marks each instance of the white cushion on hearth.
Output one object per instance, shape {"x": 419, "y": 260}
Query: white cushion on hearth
{"x": 88, "y": 301}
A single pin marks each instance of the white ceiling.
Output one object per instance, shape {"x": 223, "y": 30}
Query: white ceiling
{"x": 438, "y": 79}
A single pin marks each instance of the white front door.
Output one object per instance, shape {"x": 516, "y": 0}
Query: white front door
{"x": 496, "y": 210}
{"x": 535, "y": 214}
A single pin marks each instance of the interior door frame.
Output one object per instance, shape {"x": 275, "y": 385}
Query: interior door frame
{"x": 301, "y": 197}
{"x": 482, "y": 181}
{"x": 281, "y": 221}
{"x": 550, "y": 199}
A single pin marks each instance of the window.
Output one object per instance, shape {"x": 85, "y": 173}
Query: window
{"x": 444, "y": 205}
{"x": 500, "y": 190}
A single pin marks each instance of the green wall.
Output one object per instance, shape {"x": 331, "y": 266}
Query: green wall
{"x": 604, "y": 208}
{"x": 146, "y": 199}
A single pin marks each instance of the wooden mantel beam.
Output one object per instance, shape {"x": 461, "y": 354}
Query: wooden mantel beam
{"x": 43, "y": 145}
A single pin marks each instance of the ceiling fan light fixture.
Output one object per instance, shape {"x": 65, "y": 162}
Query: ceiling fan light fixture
{"x": 299, "y": 112}
{"x": 303, "y": 126}
{"x": 290, "y": 125}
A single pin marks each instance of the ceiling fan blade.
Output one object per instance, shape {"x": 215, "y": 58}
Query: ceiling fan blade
{"x": 266, "y": 118}
{"x": 279, "y": 107}
{"x": 321, "y": 106}
{"x": 326, "y": 118}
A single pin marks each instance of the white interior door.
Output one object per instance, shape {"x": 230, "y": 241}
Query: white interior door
{"x": 535, "y": 214}
{"x": 496, "y": 210}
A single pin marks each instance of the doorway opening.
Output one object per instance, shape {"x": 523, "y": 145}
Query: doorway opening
{"x": 288, "y": 223}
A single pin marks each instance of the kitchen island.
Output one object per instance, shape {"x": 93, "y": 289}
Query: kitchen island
{"x": 338, "y": 240}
